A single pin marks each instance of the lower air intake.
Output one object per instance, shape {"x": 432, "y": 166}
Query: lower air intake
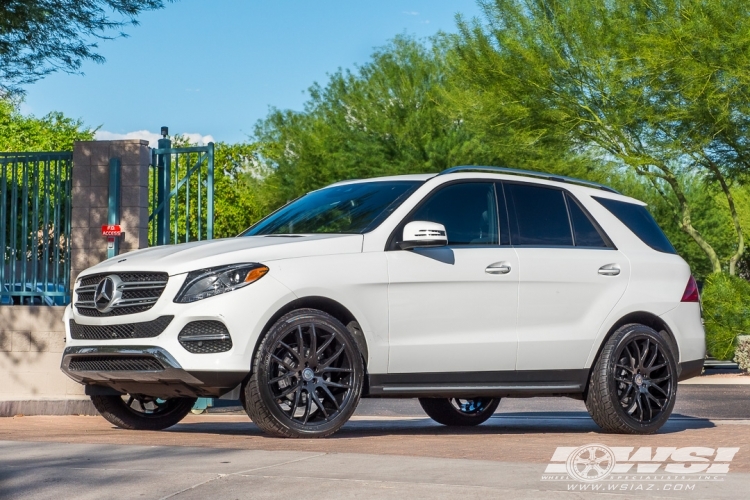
{"x": 205, "y": 337}
{"x": 115, "y": 364}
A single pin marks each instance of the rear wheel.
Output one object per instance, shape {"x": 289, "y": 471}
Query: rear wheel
{"x": 307, "y": 377}
{"x": 459, "y": 412}
{"x": 142, "y": 413}
{"x": 633, "y": 385}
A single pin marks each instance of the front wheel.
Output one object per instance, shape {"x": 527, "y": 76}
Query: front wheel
{"x": 307, "y": 377}
{"x": 142, "y": 413}
{"x": 459, "y": 412}
{"x": 633, "y": 385}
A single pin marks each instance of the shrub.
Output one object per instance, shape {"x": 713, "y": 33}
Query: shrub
{"x": 726, "y": 311}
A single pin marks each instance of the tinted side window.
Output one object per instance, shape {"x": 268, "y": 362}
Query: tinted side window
{"x": 584, "y": 231}
{"x": 467, "y": 210}
{"x": 640, "y": 221}
{"x": 538, "y": 216}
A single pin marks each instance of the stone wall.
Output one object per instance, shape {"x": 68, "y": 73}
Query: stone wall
{"x": 32, "y": 338}
{"x": 90, "y": 199}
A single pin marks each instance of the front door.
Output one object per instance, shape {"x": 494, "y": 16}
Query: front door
{"x": 453, "y": 308}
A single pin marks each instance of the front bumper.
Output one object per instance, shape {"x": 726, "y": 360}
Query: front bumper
{"x": 244, "y": 313}
{"x": 146, "y": 370}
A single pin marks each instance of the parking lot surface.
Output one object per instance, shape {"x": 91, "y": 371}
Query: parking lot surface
{"x": 389, "y": 449}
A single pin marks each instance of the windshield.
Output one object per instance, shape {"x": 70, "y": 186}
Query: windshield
{"x": 351, "y": 209}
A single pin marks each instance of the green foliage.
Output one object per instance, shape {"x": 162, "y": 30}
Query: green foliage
{"x": 239, "y": 190}
{"x": 38, "y": 37}
{"x": 52, "y": 132}
{"x": 382, "y": 119}
{"x": 240, "y": 197}
{"x": 657, "y": 87}
{"x": 726, "y": 310}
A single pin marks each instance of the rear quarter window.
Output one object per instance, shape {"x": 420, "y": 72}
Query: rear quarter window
{"x": 640, "y": 222}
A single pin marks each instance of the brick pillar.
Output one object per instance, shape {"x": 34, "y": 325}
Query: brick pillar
{"x": 91, "y": 194}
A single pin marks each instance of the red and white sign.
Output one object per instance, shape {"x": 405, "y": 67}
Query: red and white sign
{"x": 112, "y": 230}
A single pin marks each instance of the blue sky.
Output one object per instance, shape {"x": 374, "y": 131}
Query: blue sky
{"x": 214, "y": 67}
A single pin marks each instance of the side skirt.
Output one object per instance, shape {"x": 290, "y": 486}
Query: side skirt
{"x": 527, "y": 383}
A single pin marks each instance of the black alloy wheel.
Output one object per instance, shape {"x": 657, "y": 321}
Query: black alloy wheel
{"x": 308, "y": 376}
{"x": 140, "y": 412}
{"x": 633, "y": 384}
{"x": 643, "y": 379}
{"x": 461, "y": 412}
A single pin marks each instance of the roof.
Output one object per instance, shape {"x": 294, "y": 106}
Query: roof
{"x": 486, "y": 169}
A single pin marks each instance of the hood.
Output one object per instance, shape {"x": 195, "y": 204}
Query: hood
{"x": 186, "y": 257}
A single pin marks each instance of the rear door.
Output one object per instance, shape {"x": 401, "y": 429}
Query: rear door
{"x": 571, "y": 276}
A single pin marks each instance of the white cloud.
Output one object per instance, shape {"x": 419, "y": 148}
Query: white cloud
{"x": 411, "y": 13}
{"x": 151, "y": 137}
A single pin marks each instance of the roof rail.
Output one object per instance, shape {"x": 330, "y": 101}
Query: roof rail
{"x": 528, "y": 173}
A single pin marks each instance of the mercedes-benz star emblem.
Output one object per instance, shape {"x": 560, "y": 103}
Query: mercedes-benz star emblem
{"x": 107, "y": 293}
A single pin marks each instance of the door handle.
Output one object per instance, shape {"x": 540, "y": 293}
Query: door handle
{"x": 498, "y": 268}
{"x": 610, "y": 270}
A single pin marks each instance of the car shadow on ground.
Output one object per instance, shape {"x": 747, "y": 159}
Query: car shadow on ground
{"x": 500, "y": 423}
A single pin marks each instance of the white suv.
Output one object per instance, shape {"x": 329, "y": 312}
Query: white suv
{"x": 458, "y": 288}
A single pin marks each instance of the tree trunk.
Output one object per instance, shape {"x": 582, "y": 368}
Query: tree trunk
{"x": 735, "y": 219}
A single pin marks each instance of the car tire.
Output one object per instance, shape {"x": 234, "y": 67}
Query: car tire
{"x": 307, "y": 377}
{"x": 459, "y": 412}
{"x": 633, "y": 385}
{"x": 141, "y": 413}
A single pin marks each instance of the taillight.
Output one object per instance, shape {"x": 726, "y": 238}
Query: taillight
{"x": 691, "y": 292}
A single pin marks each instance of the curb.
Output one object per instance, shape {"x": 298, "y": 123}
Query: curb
{"x": 47, "y": 407}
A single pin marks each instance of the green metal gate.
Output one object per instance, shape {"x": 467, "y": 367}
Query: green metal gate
{"x": 182, "y": 193}
{"x": 35, "y": 212}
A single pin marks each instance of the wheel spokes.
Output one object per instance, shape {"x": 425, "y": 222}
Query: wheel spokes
{"x": 319, "y": 403}
{"x": 333, "y": 369}
{"x": 658, "y": 388}
{"x": 295, "y": 404}
{"x": 334, "y": 357}
{"x": 300, "y": 341}
{"x": 282, "y": 362}
{"x": 644, "y": 353}
{"x": 338, "y": 385}
{"x": 308, "y": 408}
{"x": 287, "y": 391}
{"x": 650, "y": 363}
{"x": 634, "y": 383}
{"x": 281, "y": 377}
{"x": 312, "y": 373}
{"x": 325, "y": 345}
{"x": 313, "y": 342}
{"x": 331, "y": 397}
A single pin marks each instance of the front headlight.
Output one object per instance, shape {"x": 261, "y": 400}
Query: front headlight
{"x": 205, "y": 283}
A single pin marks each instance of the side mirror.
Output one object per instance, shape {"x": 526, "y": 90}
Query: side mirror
{"x": 420, "y": 233}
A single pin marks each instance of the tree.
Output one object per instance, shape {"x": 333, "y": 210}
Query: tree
{"x": 52, "y": 132}
{"x": 384, "y": 118}
{"x": 38, "y": 37}
{"x": 657, "y": 87}
{"x": 241, "y": 199}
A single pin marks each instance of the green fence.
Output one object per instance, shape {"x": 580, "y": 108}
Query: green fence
{"x": 35, "y": 191}
{"x": 182, "y": 194}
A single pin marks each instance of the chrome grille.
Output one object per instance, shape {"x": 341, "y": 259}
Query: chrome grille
{"x": 115, "y": 364}
{"x": 140, "y": 291}
{"x": 142, "y": 330}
